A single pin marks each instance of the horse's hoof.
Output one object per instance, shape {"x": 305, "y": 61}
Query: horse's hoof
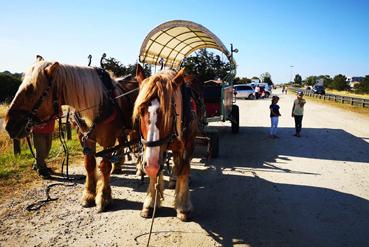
{"x": 172, "y": 184}
{"x": 101, "y": 209}
{"x": 88, "y": 204}
{"x": 88, "y": 199}
{"x": 102, "y": 203}
{"x": 146, "y": 213}
{"x": 183, "y": 216}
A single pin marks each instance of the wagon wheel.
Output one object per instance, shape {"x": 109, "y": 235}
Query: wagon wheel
{"x": 213, "y": 145}
{"x": 235, "y": 119}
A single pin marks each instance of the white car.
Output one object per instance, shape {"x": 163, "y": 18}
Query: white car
{"x": 243, "y": 91}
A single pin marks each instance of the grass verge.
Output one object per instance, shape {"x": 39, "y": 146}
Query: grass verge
{"x": 360, "y": 110}
{"x": 347, "y": 94}
{"x": 16, "y": 171}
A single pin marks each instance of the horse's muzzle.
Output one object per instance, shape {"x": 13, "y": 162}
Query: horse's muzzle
{"x": 16, "y": 127}
{"x": 151, "y": 168}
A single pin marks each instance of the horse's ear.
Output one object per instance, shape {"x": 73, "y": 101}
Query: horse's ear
{"x": 140, "y": 74}
{"x": 51, "y": 68}
{"x": 179, "y": 78}
{"x": 39, "y": 58}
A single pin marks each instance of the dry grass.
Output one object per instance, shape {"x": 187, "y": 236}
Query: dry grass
{"x": 357, "y": 109}
{"x": 3, "y": 109}
{"x": 348, "y": 94}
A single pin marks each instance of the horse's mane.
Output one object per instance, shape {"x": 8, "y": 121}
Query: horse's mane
{"x": 160, "y": 86}
{"x": 81, "y": 87}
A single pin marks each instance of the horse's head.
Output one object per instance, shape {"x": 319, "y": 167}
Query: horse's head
{"x": 156, "y": 114}
{"x": 33, "y": 100}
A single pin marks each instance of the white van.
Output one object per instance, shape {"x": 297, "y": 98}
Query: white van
{"x": 243, "y": 91}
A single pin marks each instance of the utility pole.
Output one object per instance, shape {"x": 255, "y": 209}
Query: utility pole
{"x": 291, "y": 66}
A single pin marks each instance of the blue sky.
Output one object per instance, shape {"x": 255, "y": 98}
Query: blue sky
{"x": 316, "y": 37}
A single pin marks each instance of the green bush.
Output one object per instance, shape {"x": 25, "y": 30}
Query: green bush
{"x": 339, "y": 83}
{"x": 363, "y": 87}
{"x": 9, "y": 85}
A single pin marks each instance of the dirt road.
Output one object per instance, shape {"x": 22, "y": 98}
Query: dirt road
{"x": 308, "y": 191}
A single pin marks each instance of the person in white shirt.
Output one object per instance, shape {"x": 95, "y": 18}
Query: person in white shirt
{"x": 298, "y": 112}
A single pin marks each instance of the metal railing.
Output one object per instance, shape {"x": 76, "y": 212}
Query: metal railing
{"x": 336, "y": 98}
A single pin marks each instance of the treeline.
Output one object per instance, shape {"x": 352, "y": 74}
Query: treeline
{"x": 9, "y": 84}
{"x": 119, "y": 70}
{"x": 338, "y": 82}
{"x": 264, "y": 77}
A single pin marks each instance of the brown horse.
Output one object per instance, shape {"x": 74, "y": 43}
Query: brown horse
{"x": 159, "y": 110}
{"x": 47, "y": 86}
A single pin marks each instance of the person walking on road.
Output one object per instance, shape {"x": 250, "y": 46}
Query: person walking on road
{"x": 298, "y": 112}
{"x": 274, "y": 115}
{"x": 257, "y": 92}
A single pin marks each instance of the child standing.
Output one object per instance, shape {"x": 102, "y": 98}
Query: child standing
{"x": 298, "y": 112}
{"x": 274, "y": 115}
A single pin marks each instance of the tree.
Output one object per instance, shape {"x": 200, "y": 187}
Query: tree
{"x": 298, "y": 79}
{"x": 266, "y": 78}
{"x": 241, "y": 80}
{"x": 120, "y": 70}
{"x": 310, "y": 80}
{"x": 327, "y": 80}
{"x": 9, "y": 85}
{"x": 206, "y": 65}
{"x": 340, "y": 83}
{"x": 363, "y": 87}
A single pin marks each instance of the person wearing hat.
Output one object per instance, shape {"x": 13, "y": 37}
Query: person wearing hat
{"x": 298, "y": 112}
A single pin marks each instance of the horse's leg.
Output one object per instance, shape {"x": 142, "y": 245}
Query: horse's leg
{"x": 117, "y": 166}
{"x": 173, "y": 175}
{"x": 103, "y": 196}
{"x": 183, "y": 203}
{"x": 148, "y": 205}
{"x": 89, "y": 193}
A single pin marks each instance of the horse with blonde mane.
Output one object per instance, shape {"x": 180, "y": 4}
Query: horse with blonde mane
{"x": 47, "y": 86}
{"x": 159, "y": 110}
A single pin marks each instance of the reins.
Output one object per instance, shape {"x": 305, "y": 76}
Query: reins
{"x": 154, "y": 210}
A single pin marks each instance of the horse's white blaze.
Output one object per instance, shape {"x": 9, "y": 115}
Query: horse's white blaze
{"x": 152, "y": 153}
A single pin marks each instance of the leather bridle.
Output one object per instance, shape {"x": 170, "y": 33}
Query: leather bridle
{"x": 32, "y": 118}
{"x": 168, "y": 139}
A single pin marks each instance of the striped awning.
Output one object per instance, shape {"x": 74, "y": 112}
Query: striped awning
{"x": 170, "y": 42}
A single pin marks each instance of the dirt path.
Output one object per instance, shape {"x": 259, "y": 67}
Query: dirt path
{"x": 308, "y": 191}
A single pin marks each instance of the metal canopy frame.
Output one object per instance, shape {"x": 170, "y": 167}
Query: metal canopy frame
{"x": 169, "y": 43}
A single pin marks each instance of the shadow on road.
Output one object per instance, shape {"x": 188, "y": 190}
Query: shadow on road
{"x": 251, "y": 210}
{"x": 253, "y": 148}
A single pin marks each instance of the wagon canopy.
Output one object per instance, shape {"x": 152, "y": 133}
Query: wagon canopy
{"x": 172, "y": 41}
